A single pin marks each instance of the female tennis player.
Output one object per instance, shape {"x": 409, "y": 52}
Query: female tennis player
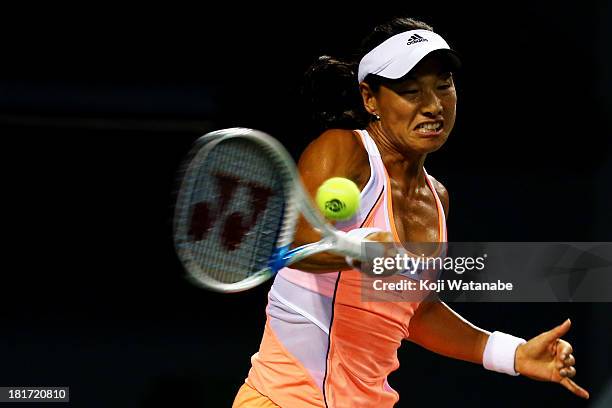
{"x": 322, "y": 345}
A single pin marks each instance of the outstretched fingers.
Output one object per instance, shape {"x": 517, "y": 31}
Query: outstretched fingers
{"x": 569, "y": 372}
{"x": 574, "y": 388}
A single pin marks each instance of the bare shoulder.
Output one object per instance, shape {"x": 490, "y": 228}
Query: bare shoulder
{"x": 329, "y": 144}
{"x": 335, "y": 153}
{"x": 442, "y": 193}
{"x": 336, "y": 137}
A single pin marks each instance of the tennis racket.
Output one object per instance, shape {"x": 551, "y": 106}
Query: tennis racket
{"x": 237, "y": 210}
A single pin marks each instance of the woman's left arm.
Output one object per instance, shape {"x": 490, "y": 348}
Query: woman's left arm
{"x": 438, "y": 328}
{"x": 545, "y": 357}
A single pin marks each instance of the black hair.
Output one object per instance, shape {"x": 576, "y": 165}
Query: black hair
{"x": 330, "y": 84}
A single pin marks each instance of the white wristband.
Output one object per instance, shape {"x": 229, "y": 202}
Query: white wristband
{"x": 359, "y": 233}
{"x": 500, "y": 351}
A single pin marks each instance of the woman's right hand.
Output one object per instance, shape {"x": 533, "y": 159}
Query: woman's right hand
{"x": 381, "y": 236}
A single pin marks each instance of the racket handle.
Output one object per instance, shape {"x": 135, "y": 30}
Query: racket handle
{"x": 349, "y": 245}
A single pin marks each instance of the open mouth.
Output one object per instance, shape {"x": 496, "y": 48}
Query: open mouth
{"x": 430, "y": 127}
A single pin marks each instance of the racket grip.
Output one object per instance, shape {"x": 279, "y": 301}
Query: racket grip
{"x": 351, "y": 246}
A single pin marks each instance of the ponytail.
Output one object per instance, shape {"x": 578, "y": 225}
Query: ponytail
{"x": 331, "y": 92}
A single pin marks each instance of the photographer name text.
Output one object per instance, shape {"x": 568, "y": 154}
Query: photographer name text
{"x": 441, "y": 285}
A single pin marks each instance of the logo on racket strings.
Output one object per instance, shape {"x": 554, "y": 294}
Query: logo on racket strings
{"x": 205, "y": 215}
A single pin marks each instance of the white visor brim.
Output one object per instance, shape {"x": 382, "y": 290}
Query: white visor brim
{"x": 398, "y": 55}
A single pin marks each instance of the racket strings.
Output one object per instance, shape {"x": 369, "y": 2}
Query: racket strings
{"x": 233, "y": 211}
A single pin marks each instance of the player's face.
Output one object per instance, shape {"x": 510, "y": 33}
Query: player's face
{"x": 418, "y": 114}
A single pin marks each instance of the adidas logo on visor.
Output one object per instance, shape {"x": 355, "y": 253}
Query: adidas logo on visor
{"x": 415, "y": 38}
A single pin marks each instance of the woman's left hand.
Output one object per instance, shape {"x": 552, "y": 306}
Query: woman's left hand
{"x": 548, "y": 358}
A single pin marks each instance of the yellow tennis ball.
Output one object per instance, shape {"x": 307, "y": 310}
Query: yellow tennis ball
{"x": 338, "y": 198}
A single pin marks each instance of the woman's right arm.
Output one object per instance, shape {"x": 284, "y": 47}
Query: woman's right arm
{"x": 336, "y": 153}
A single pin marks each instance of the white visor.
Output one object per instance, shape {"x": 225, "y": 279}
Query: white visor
{"x": 398, "y": 55}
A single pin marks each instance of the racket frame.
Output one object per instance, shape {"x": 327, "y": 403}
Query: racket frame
{"x": 297, "y": 201}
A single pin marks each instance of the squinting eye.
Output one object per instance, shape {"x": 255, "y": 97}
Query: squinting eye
{"x": 444, "y": 86}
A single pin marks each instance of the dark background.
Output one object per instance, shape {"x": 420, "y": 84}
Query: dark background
{"x": 98, "y": 106}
